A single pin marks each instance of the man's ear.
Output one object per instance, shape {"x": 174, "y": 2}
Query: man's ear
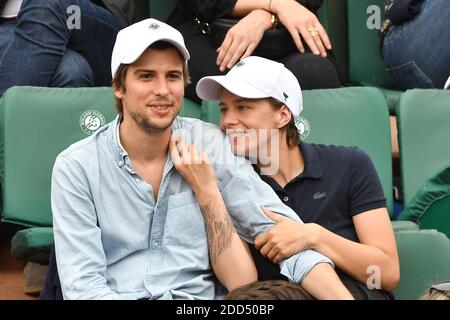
{"x": 284, "y": 116}
{"x": 118, "y": 91}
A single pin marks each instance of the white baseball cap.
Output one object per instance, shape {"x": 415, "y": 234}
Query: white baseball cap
{"x": 133, "y": 40}
{"x": 447, "y": 84}
{"x": 256, "y": 78}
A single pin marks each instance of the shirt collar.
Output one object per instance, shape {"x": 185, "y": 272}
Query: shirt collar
{"x": 312, "y": 170}
{"x": 121, "y": 154}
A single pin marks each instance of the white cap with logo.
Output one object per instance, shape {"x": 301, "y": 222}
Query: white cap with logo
{"x": 256, "y": 78}
{"x": 133, "y": 40}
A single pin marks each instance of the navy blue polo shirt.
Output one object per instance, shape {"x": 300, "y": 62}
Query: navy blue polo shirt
{"x": 336, "y": 184}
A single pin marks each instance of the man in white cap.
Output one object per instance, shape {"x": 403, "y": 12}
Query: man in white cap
{"x": 334, "y": 190}
{"x": 132, "y": 221}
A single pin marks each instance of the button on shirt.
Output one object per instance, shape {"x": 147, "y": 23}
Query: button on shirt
{"x": 113, "y": 241}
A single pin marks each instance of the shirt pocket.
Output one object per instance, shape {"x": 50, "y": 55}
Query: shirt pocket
{"x": 184, "y": 225}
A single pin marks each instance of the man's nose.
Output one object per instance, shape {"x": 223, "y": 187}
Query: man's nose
{"x": 161, "y": 87}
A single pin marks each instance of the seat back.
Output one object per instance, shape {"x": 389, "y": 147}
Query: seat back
{"x": 161, "y": 9}
{"x": 366, "y": 66}
{"x": 424, "y": 260}
{"x": 351, "y": 117}
{"x": 36, "y": 124}
{"x": 332, "y": 15}
{"x": 424, "y": 137}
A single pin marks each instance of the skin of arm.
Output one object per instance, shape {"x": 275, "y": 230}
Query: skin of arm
{"x": 231, "y": 259}
{"x": 295, "y": 17}
{"x": 377, "y": 248}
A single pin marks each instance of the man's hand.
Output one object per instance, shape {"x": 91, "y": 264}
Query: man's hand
{"x": 193, "y": 167}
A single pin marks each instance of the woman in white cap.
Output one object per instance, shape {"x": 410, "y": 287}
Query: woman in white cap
{"x": 334, "y": 190}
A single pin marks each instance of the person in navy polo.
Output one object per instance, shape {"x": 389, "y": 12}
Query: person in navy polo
{"x": 335, "y": 190}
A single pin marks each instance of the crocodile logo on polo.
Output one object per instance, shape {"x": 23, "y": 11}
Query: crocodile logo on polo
{"x": 91, "y": 120}
{"x": 303, "y": 127}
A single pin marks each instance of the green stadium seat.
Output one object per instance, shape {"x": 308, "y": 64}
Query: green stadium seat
{"x": 161, "y": 9}
{"x": 422, "y": 117}
{"x": 355, "y": 116}
{"x": 36, "y": 124}
{"x": 32, "y": 244}
{"x": 366, "y": 66}
{"x": 424, "y": 260}
{"x": 349, "y": 117}
{"x": 332, "y": 15}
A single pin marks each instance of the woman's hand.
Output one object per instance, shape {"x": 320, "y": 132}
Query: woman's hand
{"x": 193, "y": 167}
{"x": 300, "y": 21}
{"x": 286, "y": 238}
{"x": 242, "y": 39}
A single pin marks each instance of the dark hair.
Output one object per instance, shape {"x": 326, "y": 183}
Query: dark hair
{"x": 292, "y": 134}
{"x": 120, "y": 76}
{"x": 269, "y": 290}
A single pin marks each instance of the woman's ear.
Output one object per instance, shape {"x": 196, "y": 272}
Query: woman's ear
{"x": 284, "y": 116}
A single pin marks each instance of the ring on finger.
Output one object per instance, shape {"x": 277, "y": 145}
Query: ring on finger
{"x": 313, "y": 32}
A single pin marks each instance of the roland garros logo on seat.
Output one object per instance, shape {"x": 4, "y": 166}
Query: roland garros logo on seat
{"x": 303, "y": 126}
{"x": 91, "y": 120}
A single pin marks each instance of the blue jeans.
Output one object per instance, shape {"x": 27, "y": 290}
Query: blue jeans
{"x": 40, "y": 50}
{"x": 417, "y": 53}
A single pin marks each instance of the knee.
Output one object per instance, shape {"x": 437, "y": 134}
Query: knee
{"x": 73, "y": 71}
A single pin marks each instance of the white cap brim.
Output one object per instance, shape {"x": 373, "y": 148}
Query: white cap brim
{"x": 210, "y": 88}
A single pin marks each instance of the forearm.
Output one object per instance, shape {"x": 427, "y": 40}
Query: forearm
{"x": 356, "y": 259}
{"x": 323, "y": 283}
{"x": 243, "y": 7}
{"x": 230, "y": 257}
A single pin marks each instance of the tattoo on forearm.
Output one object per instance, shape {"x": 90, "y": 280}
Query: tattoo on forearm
{"x": 219, "y": 229}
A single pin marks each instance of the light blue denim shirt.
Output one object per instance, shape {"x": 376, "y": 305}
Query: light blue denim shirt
{"x": 113, "y": 241}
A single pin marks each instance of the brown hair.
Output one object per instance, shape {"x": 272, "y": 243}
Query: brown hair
{"x": 120, "y": 76}
{"x": 292, "y": 134}
{"x": 269, "y": 290}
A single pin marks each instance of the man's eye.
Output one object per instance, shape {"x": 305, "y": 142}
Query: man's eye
{"x": 174, "y": 76}
{"x": 145, "y": 76}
